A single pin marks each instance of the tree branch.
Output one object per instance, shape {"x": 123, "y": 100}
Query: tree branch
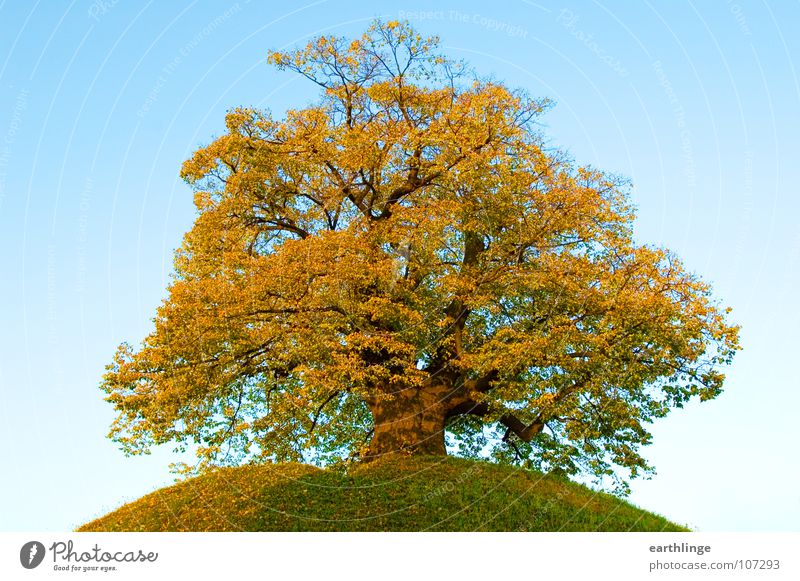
{"x": 319, "y": 410}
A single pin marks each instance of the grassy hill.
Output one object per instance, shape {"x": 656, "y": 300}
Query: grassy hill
{"x": 409, "y": 494}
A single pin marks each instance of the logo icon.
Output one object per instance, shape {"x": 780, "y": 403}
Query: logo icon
{"x": 31, "y": 554}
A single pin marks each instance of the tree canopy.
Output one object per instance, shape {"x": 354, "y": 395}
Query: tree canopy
{"x": 405, "y": 266}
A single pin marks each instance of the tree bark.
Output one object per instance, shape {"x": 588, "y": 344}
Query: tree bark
{"x": 411, "y": 422}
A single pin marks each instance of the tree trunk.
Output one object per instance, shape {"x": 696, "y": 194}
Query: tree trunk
{"x": 410, "y": 423}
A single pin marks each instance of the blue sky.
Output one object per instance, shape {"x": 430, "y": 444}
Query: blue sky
{"x": 101, "y": 101}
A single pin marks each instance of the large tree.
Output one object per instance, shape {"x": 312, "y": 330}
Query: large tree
{"x": 406, "y": 266}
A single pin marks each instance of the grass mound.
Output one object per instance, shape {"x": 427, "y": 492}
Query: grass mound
{"x": 408, "y": 494}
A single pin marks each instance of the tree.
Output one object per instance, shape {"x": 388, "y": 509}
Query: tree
{"x": 406, "y": 264}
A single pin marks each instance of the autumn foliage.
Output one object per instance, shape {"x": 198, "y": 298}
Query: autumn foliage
{"x": 405, "y": 266}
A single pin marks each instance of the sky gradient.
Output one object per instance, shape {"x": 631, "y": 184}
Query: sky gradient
{"x": 100, "y": 103}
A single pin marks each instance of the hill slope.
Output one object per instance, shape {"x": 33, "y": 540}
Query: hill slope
{"x": 409, "y": 494}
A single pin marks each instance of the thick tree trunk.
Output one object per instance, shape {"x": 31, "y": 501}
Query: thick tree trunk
{"x": 410, "y": 423}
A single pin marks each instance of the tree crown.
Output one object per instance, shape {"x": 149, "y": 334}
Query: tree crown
{"x": 408, "y": 248}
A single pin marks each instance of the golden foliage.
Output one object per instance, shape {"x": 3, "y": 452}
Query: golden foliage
{"x": 412, "y": 230}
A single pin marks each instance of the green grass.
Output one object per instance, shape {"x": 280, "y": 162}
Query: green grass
{"x": 407, "y": 494}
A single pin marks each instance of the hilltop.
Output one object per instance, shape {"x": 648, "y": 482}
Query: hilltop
{"x": 406, "y": 494}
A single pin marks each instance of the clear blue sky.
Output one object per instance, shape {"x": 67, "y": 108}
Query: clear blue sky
{"x": 100, "y": 102}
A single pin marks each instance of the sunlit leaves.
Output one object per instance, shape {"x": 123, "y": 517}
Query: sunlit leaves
{"x": 412, "y": 231}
